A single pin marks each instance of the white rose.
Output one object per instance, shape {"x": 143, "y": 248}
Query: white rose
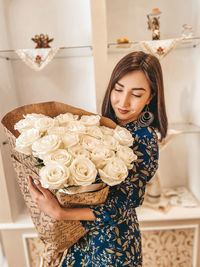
{"x": 101, "y": 155}
{"x": 94, "y": 131}
{"x": 114, "y": 172}
{"x": 70, "y": 139}
{"x": 60, "y": 155}
{"x": 78, "y": 150}
{"x": 46, "y": 145}
{"x": 110, "y": 142}
{"x": 83, "y": 172}
{"x": 54, "y": 175}
{"x": 127, "y": 155}
{"x": 123, "y": 136}
{"x": 76, "y": 126}
{"x": 58, "y": 130}
{"x": 89, "y": 142}
{"x": 106, "y": 130}
{"x": 34, "y": 116}
{"x": 28, "y": 122}
{"x": 90, "y": 120}
{"x": 25, "y": 140}
{"x": 63, "y": 119}
{"x": 43, "y": 124}
{"x": 24, "y": 125}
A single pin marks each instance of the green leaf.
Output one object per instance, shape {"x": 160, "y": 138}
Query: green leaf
{"x": 39, "y": 165}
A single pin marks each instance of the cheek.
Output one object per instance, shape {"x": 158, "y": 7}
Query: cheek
{"x": 138, "y": 105}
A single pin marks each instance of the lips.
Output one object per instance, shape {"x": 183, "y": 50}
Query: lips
{"x": 122, "y": 111}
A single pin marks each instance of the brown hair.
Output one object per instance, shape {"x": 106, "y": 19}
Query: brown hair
{"x": 151, "y": 67}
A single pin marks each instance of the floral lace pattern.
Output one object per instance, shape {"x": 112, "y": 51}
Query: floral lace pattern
{"x": 114, "y": 237}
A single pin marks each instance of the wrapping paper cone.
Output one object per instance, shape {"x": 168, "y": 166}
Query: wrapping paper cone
{"x": 57, "y": 236}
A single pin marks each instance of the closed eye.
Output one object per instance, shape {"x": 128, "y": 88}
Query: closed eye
{"x": 137, "y": 95}
{"x": 118, "y": 90}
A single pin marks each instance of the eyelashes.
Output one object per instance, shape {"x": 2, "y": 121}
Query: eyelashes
{"x": 137, "y": 95}
{"x": 119, "y": 90}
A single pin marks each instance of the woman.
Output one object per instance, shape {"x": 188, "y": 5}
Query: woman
{"x": 135, "y": 100}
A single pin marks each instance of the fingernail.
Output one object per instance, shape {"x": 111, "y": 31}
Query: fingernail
{"x": 27, "y": 179}
{"x": 36, "y": 181}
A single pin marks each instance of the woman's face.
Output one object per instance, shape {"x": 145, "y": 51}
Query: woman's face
{"x": 129, "y": 96}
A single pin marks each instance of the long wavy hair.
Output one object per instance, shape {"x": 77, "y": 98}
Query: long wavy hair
{"x": 151, "y": 67}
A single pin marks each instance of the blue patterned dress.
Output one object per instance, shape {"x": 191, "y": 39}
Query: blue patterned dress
{"x": 114, "y": 237}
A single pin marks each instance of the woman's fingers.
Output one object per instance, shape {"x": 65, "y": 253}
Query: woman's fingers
{"x": 44, "y": 199}
{"x": 39, "y": 189}
{"x": 43, "y": 190}
{"x": 31, "y": 186}
{"x": 34, "y": 192}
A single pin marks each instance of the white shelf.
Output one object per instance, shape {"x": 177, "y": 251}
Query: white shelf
{"x": 182, "y": 195}
{"x": 185, "y": 128}
{"x": 64, "y": 52}
{"x": 113, "y": 48}
{"x": 175, "y": 213}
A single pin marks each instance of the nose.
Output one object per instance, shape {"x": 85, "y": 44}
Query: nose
{"x": 124, "y": 100}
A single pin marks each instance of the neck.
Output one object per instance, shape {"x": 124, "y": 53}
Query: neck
{"x": 124, "y": 122}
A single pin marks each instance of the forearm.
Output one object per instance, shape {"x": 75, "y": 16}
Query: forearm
{"x": 77, "y": 214}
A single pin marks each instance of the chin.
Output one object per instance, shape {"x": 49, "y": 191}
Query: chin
{"x": 126, "y": 117}
{"x": 123, "y": 117}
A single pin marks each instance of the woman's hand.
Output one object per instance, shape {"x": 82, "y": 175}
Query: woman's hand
{"x": 44, "y": 199}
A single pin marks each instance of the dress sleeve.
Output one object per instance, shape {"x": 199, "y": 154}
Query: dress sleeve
{"x": 123, "y": 198}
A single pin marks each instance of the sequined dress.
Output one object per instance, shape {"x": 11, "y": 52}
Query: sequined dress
{"x": 114, "y": 237}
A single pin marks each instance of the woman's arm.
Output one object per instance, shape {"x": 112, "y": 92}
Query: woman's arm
{"x": 47, "y": 203}
{"x": 121, "y": 199}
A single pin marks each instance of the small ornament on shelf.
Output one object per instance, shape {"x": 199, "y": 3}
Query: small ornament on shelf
{"x": 160, "y": 48}
{"x": 42, "y": 40}
{"x": 187, "y": 31}
{"x": 123, "y": 43}
{"x": 38, "y": 57}
{"x": 154, "y": 23}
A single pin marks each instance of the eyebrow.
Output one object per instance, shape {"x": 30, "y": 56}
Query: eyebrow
{"x": 136, "y": 88}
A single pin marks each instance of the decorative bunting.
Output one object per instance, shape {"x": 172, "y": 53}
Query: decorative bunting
{"x": 160, "y": 48}
{"x": 38, "y": 58}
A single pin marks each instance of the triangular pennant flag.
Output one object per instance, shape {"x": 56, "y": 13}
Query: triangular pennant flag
{"x": 38, "y": 58}
{"x": 160, "y": 48}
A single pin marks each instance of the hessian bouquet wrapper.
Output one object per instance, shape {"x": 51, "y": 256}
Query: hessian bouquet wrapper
{"x": 76, "y": 154}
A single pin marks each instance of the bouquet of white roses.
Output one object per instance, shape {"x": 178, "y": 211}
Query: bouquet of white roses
{"x": 70, "y": 151}
{"x": 75, "y": 152}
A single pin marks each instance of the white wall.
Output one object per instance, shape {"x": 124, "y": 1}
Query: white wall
{"x": 8, "y": 101}
{"x": 67, "y": 21}
{"x": 69, "y": 80}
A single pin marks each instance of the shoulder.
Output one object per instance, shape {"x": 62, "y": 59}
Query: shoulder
{"x": 146, "y": 141}
{"x": 142, "y": 133}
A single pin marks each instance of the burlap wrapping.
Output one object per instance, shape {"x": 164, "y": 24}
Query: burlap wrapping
{"x": 57, "y": 236}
